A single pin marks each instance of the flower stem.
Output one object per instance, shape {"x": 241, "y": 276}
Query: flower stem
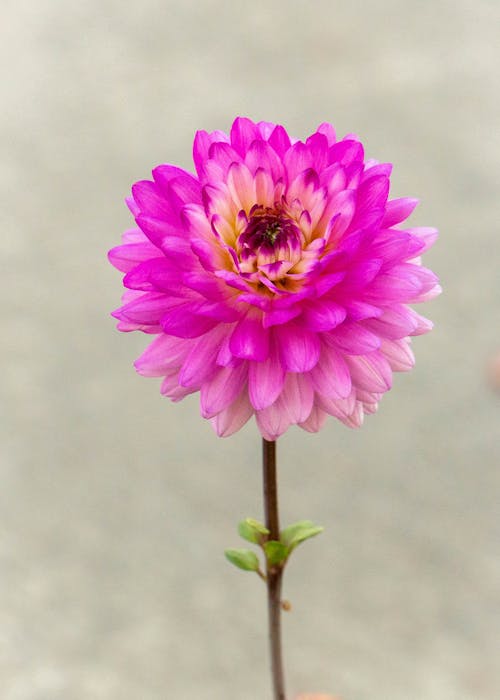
{"x": 274, "y": 574}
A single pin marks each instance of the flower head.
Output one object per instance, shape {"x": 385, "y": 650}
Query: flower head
{"x": 276, "y": 280}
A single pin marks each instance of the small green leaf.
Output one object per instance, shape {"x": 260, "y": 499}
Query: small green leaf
{"x": 298, "y": 532}
{"x": 252, "y": 530}
{"x": 243, "y": 559}
{"x": 276, "y": 552}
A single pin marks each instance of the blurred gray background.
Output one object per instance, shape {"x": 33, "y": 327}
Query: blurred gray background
{"x": 115, "y": 505}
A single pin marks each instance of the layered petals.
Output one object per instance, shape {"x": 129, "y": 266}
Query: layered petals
{"x": 276, "y": 279}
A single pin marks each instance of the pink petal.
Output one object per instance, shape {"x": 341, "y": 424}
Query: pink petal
{"x": 297, "y": 397}
{"x": 370, "y": 372}
{"x": 200, "y": 364}
{"x": 234, "y": 417}
{"x": 262, "y": 155}
{"x": 328, "y": 131}
{"x": 265, "y": 380}
{"x": 353, "y": 339}
{"x": 241, "y": 186}
{"x": 343, "y": 207}
{"x": 394, "y": 323}
{"x": 331, "y": 376}
{"x": 426, "y": 234}
{"x": 125, "y": 257}
{"x": 299, "y": 348}
{"x": 272, "y": 422}
{"x": 399, "y": 354}
{"x": 163, "y": 354}
{"x": 297, "y": 159}
{"x": 315, "y": 420}
{"x": 171, "y": 388}
{"x": 222, "y": 389}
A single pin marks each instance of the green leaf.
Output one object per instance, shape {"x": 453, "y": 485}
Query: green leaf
{"x": 276, "y": 552}
{"x": 243, "y": 559}
{"x": 296, "y": 533}
{"x": 252, "y": 530}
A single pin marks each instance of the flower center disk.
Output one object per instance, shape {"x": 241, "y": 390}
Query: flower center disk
{"x": 269, "y": 246}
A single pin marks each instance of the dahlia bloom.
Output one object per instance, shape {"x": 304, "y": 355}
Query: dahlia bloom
{"x": 276, "y": 280}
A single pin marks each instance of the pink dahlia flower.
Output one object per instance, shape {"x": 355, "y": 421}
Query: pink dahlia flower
{"x": 276, "y": 280}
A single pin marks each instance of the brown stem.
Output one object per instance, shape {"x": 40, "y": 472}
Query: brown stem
{"x": 274, "y": 574}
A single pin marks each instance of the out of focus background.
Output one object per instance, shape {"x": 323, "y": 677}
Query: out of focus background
{"x": 116, "y": 505}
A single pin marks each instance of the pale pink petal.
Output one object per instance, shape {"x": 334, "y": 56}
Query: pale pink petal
{"x": 315, "y": 420}
{"x": 221, "y": 389}
{"x": 370, "y": 372}
{"x": 265, "y": 380}
{"x": 331, "y": 375}
{"x": 233, "y": 417}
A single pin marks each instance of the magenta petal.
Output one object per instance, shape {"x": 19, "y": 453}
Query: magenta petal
{"x": 276, "y": 317}
{"x": 262, "y": 155}
{"x": 265, "y": 381}
{"x": 322, "y": 315}
{"x": 151, "y": 200}
{"x": 398, "y": 210}
{"x": 202, "y": 142}
{"x": 224, "y": 155}
{"x": 250, "y": 340}
{"x": 299, "y": 348}
{"x": 346, "y": 152}
{"x": 155, "y": 274}
{"x": 222, "y": 389}
{"x": 182, "y": 322}
{"x": 159, "y": 231}
{"x": 243, "y": 132}
{"x": 280, "y": 141}
{"x": 372, "y": 195}
{"x": 297, "y": 159}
